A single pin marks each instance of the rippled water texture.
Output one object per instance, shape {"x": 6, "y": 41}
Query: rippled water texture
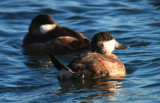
{"x": 32, "y": 78}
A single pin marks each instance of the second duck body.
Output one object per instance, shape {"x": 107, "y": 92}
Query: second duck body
{"x": 44, "y": 34}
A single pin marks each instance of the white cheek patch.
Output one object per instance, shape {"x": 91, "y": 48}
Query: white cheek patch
{"x": 47, "y": 27}
{"x": 109, "y": 45}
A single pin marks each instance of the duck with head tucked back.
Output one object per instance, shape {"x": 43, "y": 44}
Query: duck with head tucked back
{"x": 99, "y": 62}
{"x": 44, "y": 34}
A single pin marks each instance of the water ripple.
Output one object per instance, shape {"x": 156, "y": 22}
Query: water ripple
{"x": 31, "y": 77}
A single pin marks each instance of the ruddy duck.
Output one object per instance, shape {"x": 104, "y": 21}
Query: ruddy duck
{"x": 99, "y": 62}
{"x": 44, "y": 34}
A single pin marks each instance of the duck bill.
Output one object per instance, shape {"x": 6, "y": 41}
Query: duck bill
{"x": 121, "y": 46}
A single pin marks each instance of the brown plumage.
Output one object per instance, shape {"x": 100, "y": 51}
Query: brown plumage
{"x": 99, "y": 62}
{"x": 58, "y": 39}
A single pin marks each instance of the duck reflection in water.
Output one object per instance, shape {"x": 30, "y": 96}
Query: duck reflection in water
{"x": 93, "y": 88}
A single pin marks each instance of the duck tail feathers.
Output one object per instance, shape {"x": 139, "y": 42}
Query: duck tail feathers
{"x": 56, "y": 62}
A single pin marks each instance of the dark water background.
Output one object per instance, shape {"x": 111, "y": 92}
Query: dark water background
{"x": 26, "y": 78}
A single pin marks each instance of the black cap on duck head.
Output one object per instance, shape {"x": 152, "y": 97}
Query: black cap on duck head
{"x": 43, "y": 19}
{"x": 102, "y": 36}
{"x": 103, "y": 42}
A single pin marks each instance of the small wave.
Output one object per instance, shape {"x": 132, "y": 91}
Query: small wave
{"x": 137, "y": 43}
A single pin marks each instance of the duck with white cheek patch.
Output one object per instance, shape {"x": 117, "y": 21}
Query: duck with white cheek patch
{"x": 44, "y": 34}
{"x": 97, "y": 63}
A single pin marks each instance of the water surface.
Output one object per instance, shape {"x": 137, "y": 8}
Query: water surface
{"x": 32, "y": 78}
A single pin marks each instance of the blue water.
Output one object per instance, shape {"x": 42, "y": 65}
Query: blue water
{"x": 31, "y": 78}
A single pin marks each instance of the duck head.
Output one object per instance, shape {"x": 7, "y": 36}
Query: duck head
{"x": 41, "y": 24}
{"x": 104, "y": 43}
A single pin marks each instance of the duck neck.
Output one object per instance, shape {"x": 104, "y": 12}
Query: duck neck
{"x": 108, "y": 53}
{"x": 102, "y": 51}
